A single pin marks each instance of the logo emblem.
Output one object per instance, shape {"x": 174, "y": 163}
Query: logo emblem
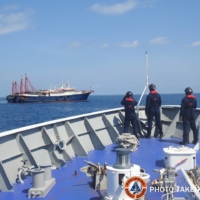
{"x": 135, "y": 187}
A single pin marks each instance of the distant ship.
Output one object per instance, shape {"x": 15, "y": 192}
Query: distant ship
{"x": 22, "y": 93}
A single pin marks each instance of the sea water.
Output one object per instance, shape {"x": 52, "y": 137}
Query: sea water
{"x": 19, "y": 115}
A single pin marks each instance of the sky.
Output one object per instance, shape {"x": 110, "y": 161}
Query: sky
{"x": 100, "y": 44}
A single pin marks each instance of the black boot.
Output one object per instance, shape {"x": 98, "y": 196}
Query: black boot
{"x": 194, "y": 141}
{"x": 182, "y": 143}
{"x": 147, "y": 136}
{"x": 160, "y": 135}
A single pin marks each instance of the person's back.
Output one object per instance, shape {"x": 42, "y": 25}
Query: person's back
{"x": 152, "y": 109}
{"x": 188, "y": 104}
{"x": 129, "y": 104}
{"x": 153, "y": 101}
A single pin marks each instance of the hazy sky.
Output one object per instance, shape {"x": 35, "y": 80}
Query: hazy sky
{"x": 101, "y": 44}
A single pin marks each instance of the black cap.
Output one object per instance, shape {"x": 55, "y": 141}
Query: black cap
{"x": 129, "y": 94}
{"x": 188, "y": 90}
{"x": 152, "y": 87}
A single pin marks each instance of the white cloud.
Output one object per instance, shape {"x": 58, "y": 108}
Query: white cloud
{"x": 104, "y": 46}
{"x": 196, "y": 44}
{"x": 9, "y": 7}
{"x": 158, "y": 41}
{"x": 129, "y": 44}
{"x": 115, "y": 9}
{"x": 74, "y": 45}
{"x": 14, "y": 22}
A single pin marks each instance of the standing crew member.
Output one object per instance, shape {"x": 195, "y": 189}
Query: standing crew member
{"x": 152, "y": 109}
{"x": 188, "y": 104}
{"x": 129, "y": 104}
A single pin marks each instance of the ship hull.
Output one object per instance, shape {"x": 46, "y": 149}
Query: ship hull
{"x": 89, "y": 137}
{"x": 46, "y": 98}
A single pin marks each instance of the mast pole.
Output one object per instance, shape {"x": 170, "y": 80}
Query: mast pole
{"x": 21, "y": 86}
{"x": 147, "y": 80}
{"x": 147, "y": 76}
{"x": 13, "y": 88}
{"x": 145, "y": 88}
{"x": 26, "y": 84}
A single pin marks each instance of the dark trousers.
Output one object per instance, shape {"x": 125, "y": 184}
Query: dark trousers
{"x": 131, "y": 118}
{"x": 154, "y": 113}
{"x": 187, "y": 124}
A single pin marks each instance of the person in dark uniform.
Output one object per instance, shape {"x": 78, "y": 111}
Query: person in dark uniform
{"x": 130, "y": 116}
{"x": 188, "y": 104}
{"x": 152, "y": 109}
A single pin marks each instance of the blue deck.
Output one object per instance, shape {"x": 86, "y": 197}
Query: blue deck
{"x": 149, "y": 156}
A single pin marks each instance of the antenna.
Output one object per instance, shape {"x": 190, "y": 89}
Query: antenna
{"x": 147, "y": 76}
{"x": 147, "y": 82}
{"x": 145, "y": 88}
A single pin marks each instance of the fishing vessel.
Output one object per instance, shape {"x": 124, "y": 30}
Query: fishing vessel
{"x": 26, "y": 93}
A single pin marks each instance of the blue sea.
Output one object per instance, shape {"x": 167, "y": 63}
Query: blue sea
{"x": 19, "y": 115}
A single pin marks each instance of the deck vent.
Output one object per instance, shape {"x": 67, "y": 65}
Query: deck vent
{"x": 123, "y": 158}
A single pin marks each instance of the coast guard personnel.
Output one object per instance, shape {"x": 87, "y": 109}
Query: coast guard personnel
{"x": 152, "y": 109}
{"x": 188, "y": 104}
{"x": 130, "y": 116}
